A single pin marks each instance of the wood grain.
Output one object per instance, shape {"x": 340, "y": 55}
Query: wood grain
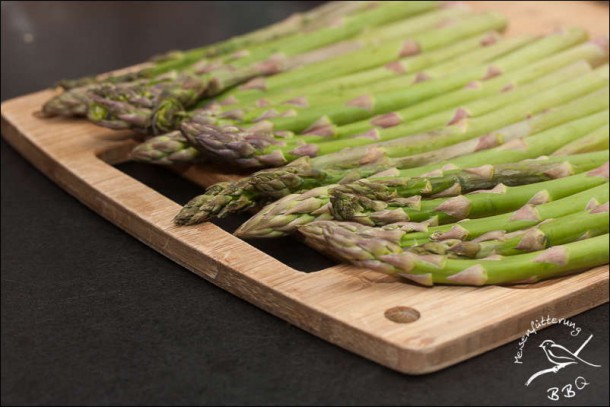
{"x": 408, "y": 328}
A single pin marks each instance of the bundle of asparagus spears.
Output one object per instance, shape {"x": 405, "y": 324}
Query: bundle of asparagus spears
{"x": 407, "y": 137}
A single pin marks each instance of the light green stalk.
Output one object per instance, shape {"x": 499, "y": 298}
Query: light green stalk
{"x": 296, "y": 210}
{"x": 598, "y": 140}
{"x": 383, "y": 248}
{"x": 295, "y": 23}
{"x": 255, "y": 148}
{"x": 556, "y": 261}
{"x": 562, "y": 230}
{"x": 381, "y": 202}
{"x": 283, "y": 216}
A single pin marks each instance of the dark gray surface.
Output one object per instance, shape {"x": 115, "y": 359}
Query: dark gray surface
{"x": 92, "y": 316}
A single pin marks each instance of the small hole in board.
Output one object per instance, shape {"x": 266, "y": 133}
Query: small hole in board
{"x": 288, "y": 250}
{"x": 402, "y": 315}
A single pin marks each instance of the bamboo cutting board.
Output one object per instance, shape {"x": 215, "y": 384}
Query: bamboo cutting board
{"x": 405, "y": 327}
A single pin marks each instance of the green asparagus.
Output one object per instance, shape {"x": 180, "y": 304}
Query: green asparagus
{"x": 282, "y": 216}
{"x": 553, "y": 232}
{"x": 380, "y": 248}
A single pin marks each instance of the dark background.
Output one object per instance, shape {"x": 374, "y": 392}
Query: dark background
{"x": 92, "y": 316}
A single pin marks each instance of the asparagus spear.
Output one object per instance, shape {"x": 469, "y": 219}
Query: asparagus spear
{"x": 458, "y": 181}
{"x": 598, "y": 140}
{"x": 283, "y": 216}
{"x": 305, "y": 173}
{"x": 184, "y": 89}
{"x": 170, "y": 148}
{"x": 385, "y": 52}
{"x": 333, "y": 90}
{"x": 293, "y": 24}
{"x": 520, "y": 148}
{"x": 384, "y": 201}
{"x": 168, "y": 116}
{"x": 275, "y": 219}
{"x": 459, "y": 125}
{"x": 74, "y": 102}
{"x": 249, "y": 148}
{"x": 556, "y": 261}
{"x": 411, "y": 234}
{"x": 169, "y": 97}
{"x": 410, "y": 65}
{"x": 565, "y": 229}
{"x": 364, "y": 125}
{"x": 589, "y": 52}
{"x": 341, "y": 29}
{"x": 558, "y": 41}
{"x": 282, "y": 102}
{"x": 468, "y": 129}
{"x": 371, "y": 247}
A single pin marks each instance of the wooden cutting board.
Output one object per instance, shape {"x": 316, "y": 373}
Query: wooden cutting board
{"x": 408, "y": 328}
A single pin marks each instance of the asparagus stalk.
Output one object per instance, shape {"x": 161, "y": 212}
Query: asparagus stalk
{"x": 283, "y": 216}
{"x": 373, "y": 247}
{"x": 168, "y": 114}
{"x": 334, "y": 90}
{"x": 598, "y": 140}
{"x": 589, "y": 52}
{"x": 468, "y": 147}
{"x": 272, "y": 220}
{"x": 385, "y": 201}
{"x": 174, "y": 96}
{"x": 170, "y": 148}
{"x": 467, "y": 129}
{"x": 249, "y": 148}
{"x": 360, "y": 127}
{"x": 459, "y": 181}
{"x": 293, "y": 24}
{"x": 305, "y": 173}
{"x": 382, "y": 53}
{"x": 238, "y": 98}
{"x": 565, "y": 229}
{"x": 185, "y": 89}
{"x": 556, "y": 261}
{"x": 284, "y": 101}
{"x": 147, "y": 152}
{"x": 74, "y": 102}
{"x": 459, "y": 125}
{"x": 341, "y": 29}
{"x": 541, "y": 48}
{"x": 465, "y": 124}
{"x": 411, "y": 234}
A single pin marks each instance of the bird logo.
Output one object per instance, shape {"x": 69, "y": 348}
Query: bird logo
{"x": 560, "y": 357}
